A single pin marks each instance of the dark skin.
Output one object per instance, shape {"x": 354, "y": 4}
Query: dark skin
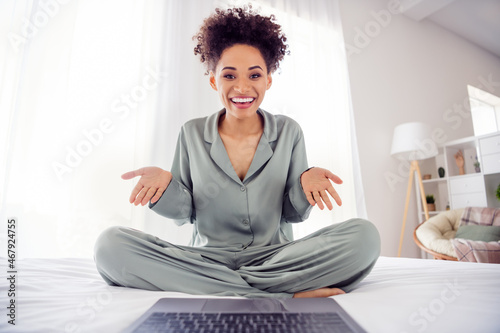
{"x": 241, "y": 80}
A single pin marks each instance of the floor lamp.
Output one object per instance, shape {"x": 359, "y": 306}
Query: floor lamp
{"x": 412, "y": 142}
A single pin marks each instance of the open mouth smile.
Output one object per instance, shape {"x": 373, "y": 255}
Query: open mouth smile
{"x": 242, "y": 102}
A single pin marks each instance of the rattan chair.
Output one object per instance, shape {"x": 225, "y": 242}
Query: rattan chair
{"x": 434, "y": 235}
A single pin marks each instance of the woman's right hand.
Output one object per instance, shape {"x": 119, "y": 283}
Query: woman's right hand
{"x": 151, "y": 185}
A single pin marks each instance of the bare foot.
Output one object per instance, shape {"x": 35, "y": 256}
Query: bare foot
{"x": 321, "y": 292}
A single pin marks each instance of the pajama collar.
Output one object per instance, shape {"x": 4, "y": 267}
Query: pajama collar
{"x": 218, "y": 151}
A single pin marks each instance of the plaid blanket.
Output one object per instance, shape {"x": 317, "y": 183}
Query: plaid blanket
{"x": 480, "y": 216}
{"x": 477, "y": 251}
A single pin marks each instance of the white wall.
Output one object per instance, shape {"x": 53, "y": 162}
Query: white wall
{"x": 400, "y": 71}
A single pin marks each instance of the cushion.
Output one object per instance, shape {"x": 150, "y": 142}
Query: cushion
{"x": 436, "y": 232}
{"x": 476, "y": 251}
{"x": 479, "y": 233}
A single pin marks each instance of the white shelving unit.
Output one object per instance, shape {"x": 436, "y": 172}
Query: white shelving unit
{"x": 474, "y": 188}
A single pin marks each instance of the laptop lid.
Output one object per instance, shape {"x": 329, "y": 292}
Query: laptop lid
{"x": 320, "y": 307}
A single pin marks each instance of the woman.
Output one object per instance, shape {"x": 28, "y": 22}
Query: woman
{"x": 240, "y": 176}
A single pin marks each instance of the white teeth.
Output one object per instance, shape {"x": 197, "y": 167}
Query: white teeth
{"x": 242, "y": 100}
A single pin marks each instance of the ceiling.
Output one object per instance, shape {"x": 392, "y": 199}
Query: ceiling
{"x": 478, "y": 21}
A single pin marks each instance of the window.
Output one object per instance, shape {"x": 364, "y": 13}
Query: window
{"x": 485, "y": 111}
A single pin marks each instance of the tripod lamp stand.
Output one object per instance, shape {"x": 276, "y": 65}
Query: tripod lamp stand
{"x": 412, "y": 142}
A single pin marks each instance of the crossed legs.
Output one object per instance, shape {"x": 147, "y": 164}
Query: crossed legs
{"x": 338, "y": 256}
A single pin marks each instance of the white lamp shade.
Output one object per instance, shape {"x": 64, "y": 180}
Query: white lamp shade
{"x": 413, "y": 141}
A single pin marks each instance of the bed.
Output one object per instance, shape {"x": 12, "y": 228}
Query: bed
{"x": 400, "y": 295}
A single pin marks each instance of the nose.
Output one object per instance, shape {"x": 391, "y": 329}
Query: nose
{"x": 242, "y": 85}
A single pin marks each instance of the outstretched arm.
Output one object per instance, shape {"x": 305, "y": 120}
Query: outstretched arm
{"x": 153, "y": 182}
{"x": 316, "y": 182}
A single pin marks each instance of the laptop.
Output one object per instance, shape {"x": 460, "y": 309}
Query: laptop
{"x": 263, "y": 315}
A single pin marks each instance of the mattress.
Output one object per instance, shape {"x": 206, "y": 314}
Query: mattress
{"x": 399, "y": 295}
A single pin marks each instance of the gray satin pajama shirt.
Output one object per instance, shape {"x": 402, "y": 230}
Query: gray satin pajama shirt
{"x": 242, "y": 243}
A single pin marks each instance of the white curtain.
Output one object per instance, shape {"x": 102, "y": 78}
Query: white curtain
{"x": 91, "y": 89}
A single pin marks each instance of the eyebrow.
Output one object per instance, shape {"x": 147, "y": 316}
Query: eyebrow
{"x": 249, "y": 68}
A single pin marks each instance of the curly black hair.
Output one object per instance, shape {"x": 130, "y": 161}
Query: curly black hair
{"x": 233, "y": 26}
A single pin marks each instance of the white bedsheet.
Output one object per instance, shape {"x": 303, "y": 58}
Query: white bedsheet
{"x": 400, "y": 295}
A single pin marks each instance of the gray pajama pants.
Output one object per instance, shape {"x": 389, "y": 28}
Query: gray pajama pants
{"x": 340, "y": 256}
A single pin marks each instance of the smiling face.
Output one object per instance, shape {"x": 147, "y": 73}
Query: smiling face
{"x": 241, "y": 80}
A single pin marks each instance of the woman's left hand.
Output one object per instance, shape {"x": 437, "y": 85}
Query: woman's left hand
{"x": 316, "y": 182}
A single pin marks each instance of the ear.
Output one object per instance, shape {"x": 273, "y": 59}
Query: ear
{"x": 269, "y": 81}
{"x": 213, "y": 84}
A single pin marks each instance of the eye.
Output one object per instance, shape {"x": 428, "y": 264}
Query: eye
{"x": 229, "y": 76}
{"x": 255, "y": 76}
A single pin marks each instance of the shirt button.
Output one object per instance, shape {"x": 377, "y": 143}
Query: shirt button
{"x": 242, "y": 189}
{"x": 245, "y": 222}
